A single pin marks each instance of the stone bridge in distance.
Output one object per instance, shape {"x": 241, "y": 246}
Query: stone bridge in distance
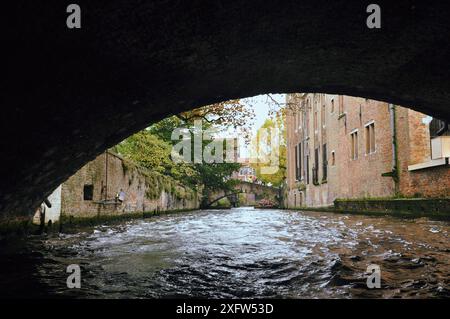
{"x": 245, "y": 194}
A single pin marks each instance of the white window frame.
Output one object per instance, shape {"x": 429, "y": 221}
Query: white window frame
{"x": 353, "y": 158}
{"x": 375, "y": 142}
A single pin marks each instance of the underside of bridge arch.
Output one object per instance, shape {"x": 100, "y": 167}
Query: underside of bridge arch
{"x": 71, "y": 93}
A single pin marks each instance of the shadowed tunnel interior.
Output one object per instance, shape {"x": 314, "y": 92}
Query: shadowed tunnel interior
{"x": 71, "y": 93}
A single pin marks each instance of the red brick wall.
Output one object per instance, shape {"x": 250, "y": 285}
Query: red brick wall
{"x": 361, "y": 178}
{"x": 414, "y": 147}
{"x": 348, "y": 178}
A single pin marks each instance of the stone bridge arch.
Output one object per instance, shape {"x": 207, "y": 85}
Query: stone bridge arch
{"x": 69, "y": 94}
{"x": 258, "y": 190}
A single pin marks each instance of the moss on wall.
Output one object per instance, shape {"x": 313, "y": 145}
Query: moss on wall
{"x": 406, "y": 207}
{"x": 157, "y": 183}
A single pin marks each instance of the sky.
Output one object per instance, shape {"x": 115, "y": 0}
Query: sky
{"x": 261, "y": 105}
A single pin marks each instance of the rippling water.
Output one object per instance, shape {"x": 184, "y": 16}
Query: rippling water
{"x": 241, "y": 253}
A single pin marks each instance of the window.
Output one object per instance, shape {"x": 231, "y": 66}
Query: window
{"x": 322, "y": 116}
{"x": 298, "y": 162}
{"x": 300, "y": 119}
{"x": 354, "y": 146}
{"x": 341, "y": 104}
{"x": 300, "y": 157}
{"x": 307, "y": 119}
{"x": 332, "y": 105}
{"x": 246, "y": 171}
{"x": 88, "y": 192}
{"x": 370, "y": 138}
{"x": 316, "y": 167}
{"x": 315, "y": 119}
{"x": 333, "y": 158}
{"x": 324, "y": 163}
{"x": 307, "y": 169}
{"x": 304, "y": 123}
{"x": 295, "y": 120}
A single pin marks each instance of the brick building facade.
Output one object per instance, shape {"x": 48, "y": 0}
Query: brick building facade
{"x": 246, "y": 172}
{"x": 93, "y": 191}
{"x": 348, "y": 147}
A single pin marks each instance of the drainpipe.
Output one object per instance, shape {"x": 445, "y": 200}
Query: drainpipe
{"x": 395, "y": 174}
{"x": 106, "y": 175}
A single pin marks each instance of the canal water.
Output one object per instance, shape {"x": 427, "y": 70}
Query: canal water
{"x": 237, "y": 253}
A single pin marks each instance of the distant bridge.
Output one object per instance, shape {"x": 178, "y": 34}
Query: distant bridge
{"x": 253, "y": 193}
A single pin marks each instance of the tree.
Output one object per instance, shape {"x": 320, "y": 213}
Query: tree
{"x": 222, "y": 115}
{"x": 164, "y": 128}
{"x": 153, "y": 153}
{"x": 277, "y": 108}
{"x": 215, "y": 177}
{"x": 147, "y": 150}
{"x": 264, "y": 147}
{"x": 232, "y": 113}
{"x": 151, "y": 148}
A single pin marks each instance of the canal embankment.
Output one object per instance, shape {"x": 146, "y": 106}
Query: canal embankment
{"x": 109, "y": 188}
{"x": 434, "y": 208}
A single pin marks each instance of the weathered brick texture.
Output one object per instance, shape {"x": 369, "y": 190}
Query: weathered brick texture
{"x": 108, "y": 174}
{"x": 415, "y": 147}
{"x": 314, "y": 120}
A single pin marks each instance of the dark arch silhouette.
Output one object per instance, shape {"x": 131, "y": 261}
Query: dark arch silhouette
{"x": 209, "y": 204}
{"x": 70, "y": 94}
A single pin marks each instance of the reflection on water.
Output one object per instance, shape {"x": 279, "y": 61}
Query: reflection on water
{"x": 241, "y": 252}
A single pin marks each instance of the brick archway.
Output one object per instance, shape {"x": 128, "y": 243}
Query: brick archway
{"x": 70, "y": 94}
